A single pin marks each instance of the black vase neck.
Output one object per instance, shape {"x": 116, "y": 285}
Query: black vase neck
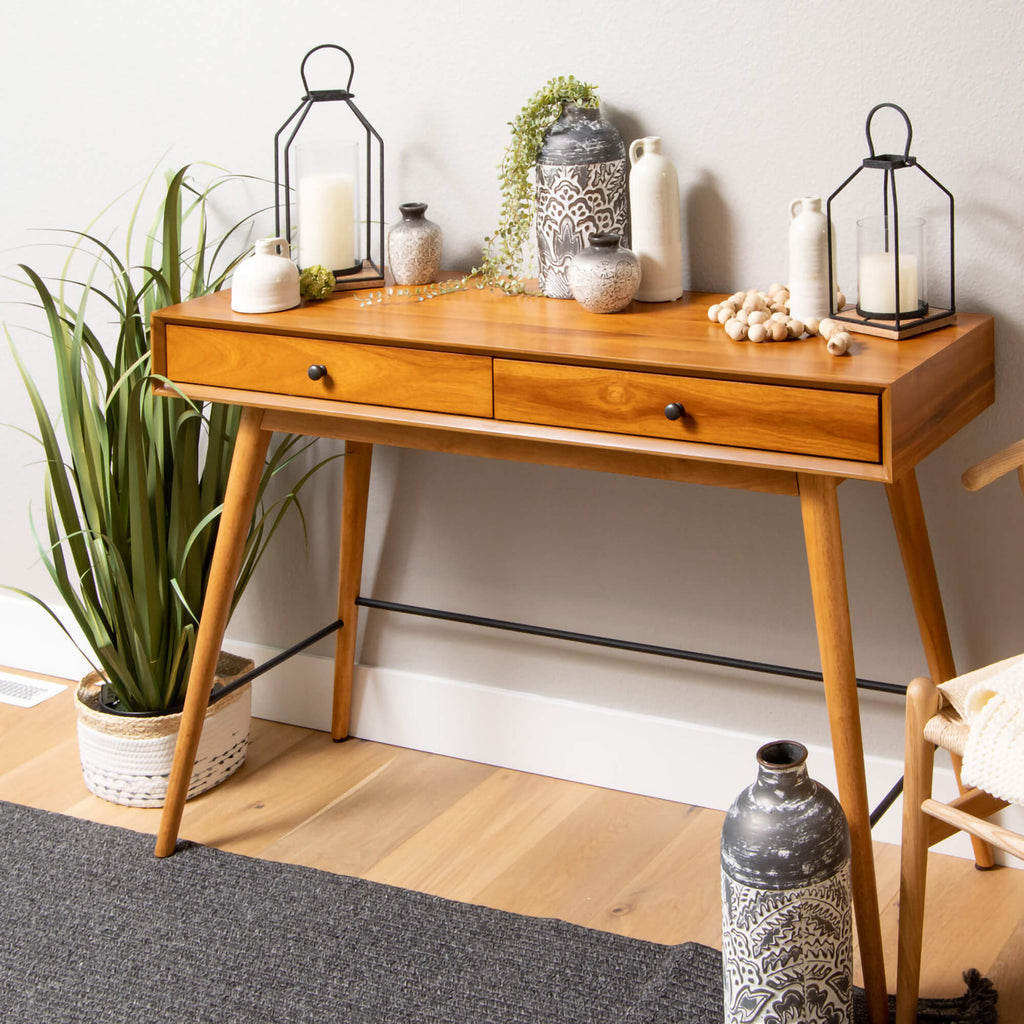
{"x": 572, "y": 111}
{"x": 581, "y": 135}
{"x": 782, "y": 772}
{"x": 413, "y": 211}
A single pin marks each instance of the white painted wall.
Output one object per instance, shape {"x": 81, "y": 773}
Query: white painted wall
{"x": 757, "y": 103}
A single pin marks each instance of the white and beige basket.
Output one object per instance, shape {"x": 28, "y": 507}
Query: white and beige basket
{"x": 127, "y": 760}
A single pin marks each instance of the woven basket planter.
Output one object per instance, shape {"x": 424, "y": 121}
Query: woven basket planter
{"x": 127, "y": 760}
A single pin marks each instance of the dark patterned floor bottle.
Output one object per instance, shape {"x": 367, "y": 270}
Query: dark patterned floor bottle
{"x": 582, "y": 190}
{"x": 787, "y": 945}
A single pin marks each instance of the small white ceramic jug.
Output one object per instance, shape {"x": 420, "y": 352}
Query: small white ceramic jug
{"x": 654, "y": 221}
{"x": 808, "y": 260}
{"x": 268, "y": 281}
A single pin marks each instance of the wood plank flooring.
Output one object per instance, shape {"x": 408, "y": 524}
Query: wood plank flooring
{"x": 532, "y": 845}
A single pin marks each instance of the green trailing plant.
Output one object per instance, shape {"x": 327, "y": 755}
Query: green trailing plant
{"x": 505, "y": 254}
{"x": 134, "y": 482}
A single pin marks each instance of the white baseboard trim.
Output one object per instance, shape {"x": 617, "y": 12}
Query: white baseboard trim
{"x": 31, "y": 640}
{"x": 600, "y": 746}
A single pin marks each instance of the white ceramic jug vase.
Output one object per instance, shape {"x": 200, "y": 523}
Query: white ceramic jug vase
{"x": 808, "y": 260}
{"x": 654, "y": 213}
{"x": 268, "y": 281}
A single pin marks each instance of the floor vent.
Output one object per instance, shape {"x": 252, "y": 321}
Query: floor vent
{"x": 25, "y": 692}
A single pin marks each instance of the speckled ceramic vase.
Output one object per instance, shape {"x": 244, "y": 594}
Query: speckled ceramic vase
{"x": 787, "y": 946}
{"x": 604, "y": 277}
{"x": 582, "y": 190}
{"x": 414, "y": 247}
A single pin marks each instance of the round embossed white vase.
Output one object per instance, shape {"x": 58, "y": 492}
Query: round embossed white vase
{"x": 604, "y": 277}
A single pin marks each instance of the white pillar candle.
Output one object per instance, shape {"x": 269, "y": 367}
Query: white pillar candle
{"x": 326, "y": 221}
{"x": 876, "y": 283}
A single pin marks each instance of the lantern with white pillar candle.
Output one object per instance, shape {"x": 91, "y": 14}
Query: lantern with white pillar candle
{"x": 338, "y": 191}
{"x": 894, "y": 298}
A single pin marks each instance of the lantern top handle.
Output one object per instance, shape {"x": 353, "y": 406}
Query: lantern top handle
{"x": 889, "y": 159}
{"x": 315, "y": 94}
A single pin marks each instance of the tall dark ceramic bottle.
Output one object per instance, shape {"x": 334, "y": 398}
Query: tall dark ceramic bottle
{"x": 787, "y": 946}
{"x": 582, "y": 190}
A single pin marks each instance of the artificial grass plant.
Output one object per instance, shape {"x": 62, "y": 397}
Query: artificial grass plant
{"x": 134, "y": 482}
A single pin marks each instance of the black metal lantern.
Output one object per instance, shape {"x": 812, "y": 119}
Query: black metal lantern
{"x": 339, "y": 191}
{"x": 892, "y": 297}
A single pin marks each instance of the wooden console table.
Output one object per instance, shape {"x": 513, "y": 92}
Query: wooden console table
{"x": 655, "y": 391}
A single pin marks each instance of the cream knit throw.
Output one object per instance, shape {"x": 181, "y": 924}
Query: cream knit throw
{"x": 991, "y": 701}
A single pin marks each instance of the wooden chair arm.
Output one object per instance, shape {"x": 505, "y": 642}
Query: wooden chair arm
{"x": 995, "y": 466}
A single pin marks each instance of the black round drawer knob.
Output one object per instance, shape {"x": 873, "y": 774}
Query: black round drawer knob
{"x": 317, "y": 371}
{"x": 674, "y": 411}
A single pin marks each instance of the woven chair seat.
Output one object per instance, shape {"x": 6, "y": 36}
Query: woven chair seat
{"x": 947, "y": 730}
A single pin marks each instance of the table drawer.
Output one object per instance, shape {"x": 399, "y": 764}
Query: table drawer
{"x": 406, "y": 378}
{"x": 808, "y": 421}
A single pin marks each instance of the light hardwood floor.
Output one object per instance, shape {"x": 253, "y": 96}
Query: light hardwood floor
{"x": 628, "y": 864}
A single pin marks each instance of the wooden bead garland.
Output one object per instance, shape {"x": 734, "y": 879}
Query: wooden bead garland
{"x": 839, "y": 343}
{"x": 761, "y": 316}
{"x": 838, "y": 340}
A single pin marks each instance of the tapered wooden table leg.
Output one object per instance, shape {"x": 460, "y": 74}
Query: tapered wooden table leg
{"x": 820, "y": 507}
{"x": 912, "y": 536}
{"x": 916, "y": 551}
{"x": 239, "y": 501}
{"x": 356, "y": 484}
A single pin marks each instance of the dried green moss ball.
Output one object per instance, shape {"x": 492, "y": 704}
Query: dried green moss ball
{"x": 316, "y": 282}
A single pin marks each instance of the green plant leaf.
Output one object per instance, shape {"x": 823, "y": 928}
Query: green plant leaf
{"x": 134, "y": 482}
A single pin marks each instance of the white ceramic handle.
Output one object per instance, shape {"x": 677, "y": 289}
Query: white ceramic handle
{"x": 635, "y": 148}
{"x": 272, "y": 247}
{"x": 796, "y": 206}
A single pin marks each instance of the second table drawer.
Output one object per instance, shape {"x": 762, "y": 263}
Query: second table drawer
{"x": 407, "y": 378}
{"x": 807, "y": 421}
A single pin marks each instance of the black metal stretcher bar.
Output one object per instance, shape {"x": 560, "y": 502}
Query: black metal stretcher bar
{"x": 622, "y": 645}
{"x": 248, "y": 677}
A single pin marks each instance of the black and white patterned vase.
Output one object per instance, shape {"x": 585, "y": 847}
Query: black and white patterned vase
{"x": 414, "y": 247}
{"x": 582, "y": 190}
{"x": 787, "y": 940}
{"x": 604, "y": 277}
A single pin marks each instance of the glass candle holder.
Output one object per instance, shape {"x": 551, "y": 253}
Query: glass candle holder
{"x": 328, "y": 206}
{"x": 876, "y": 268}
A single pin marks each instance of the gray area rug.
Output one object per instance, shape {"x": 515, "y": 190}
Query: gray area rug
{"x": 96, "y": 929}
